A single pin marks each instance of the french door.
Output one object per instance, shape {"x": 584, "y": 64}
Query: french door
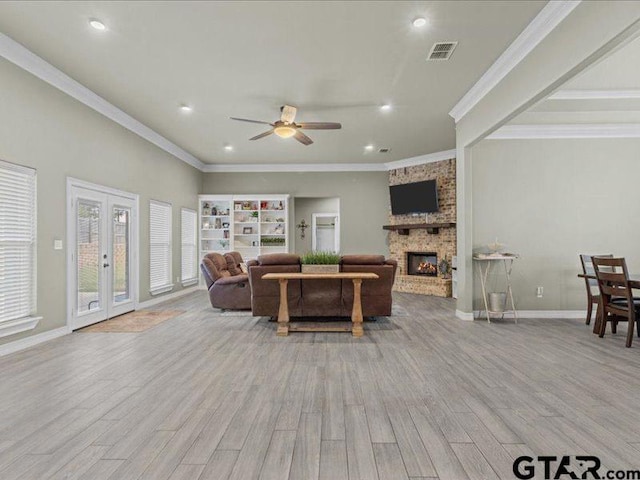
{"x": 102, "y": 228}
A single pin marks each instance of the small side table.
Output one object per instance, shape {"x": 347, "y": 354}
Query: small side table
{"x": 485, "y": 264}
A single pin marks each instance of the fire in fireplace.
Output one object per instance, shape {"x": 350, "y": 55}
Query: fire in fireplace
{"x": 422, "y": 263}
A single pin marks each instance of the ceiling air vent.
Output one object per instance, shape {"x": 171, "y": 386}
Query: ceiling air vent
{"x": 384, "y": 150}
{"x": 442, "y": 50}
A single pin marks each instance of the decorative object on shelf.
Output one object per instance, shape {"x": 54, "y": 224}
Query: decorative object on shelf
{"x": 272, "y": 241}
{"x": 218, "y": 223}
{"x": 280, "y": 206}
{"x": 279, "y": 230}
{"x": 254, "y": 243}
{"x": 496, "y": 247}
{"x": 254, "y": 214}
{"x": 206, "y": 209}
{"x": 263, "y": 205}
{"x": 280, "y": 220}
{"x": 445, "y": 267}
{"x": 214, "y": 210}
{"x": 320, "y": 262}
{"x": 238, "y": 206}
{"x": 225, "y": 224}
{"x": 247, "y": 230}
{"x": 225, "y": 234}
{"x": 303, "y": 225}
{"x": 224, "y": 244}
{"x": 206, "y": 225}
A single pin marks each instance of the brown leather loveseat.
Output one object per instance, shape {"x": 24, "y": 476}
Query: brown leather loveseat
{"x": 228, "y": 286}
{"x": 321, "y": 298}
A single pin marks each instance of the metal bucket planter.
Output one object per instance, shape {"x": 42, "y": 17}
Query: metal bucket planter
{"x": 497, "y": 301}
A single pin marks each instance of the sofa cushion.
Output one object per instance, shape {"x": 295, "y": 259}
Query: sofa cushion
{"x": 279, "y": 259}
{"x": 233, "y": 279}
{"x": 363, "y": 260}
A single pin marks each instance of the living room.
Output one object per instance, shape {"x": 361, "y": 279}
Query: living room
{"x": 123, "y": 117}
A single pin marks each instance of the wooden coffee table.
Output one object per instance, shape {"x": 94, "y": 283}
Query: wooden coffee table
{"x": 356, "y": 313}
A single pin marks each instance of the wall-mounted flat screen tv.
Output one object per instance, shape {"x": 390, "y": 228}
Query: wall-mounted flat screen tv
{"x": 418, "y": 197}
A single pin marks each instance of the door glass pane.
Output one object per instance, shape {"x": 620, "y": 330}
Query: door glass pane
{"x": 89, "y": 254}
{"x": 121, "y": 230}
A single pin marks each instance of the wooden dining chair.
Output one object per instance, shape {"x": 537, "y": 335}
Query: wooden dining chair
{"x": 593, "y": 294}
{"x": 618, "y": 304}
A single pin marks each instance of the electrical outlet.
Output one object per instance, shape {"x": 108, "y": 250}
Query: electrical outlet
{"x": 539, "y": 292}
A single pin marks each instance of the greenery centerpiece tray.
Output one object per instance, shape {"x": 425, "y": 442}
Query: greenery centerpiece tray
{"x": 321, "y": 262}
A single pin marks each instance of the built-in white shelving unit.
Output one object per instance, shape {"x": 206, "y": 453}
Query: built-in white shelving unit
{"x": 250, "y": 224}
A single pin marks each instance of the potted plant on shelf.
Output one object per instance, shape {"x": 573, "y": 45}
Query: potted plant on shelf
{"x": 321, "y": 262}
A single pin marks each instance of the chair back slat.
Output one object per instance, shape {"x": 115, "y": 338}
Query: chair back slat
{"x": 613, "y": 280}
{"x": 588, "y": 269}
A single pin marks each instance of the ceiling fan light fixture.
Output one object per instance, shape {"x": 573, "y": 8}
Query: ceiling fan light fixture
{"x": 284, "y": 131}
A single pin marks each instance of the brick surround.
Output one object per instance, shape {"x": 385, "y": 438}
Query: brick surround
{"x": 443, "y": 243}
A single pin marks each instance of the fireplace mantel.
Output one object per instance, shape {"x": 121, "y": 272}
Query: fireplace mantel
{"x": 433, "y": 228}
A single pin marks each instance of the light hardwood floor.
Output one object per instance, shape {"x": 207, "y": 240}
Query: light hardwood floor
{"x": 421, "y": 395}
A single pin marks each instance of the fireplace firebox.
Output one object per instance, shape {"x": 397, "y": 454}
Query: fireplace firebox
{"x": 422, "y": 263}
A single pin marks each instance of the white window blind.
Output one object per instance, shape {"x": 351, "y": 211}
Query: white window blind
{"x": 160, "y": 246}
{"x": 189, "y": 240}
{"x": 17, "y": 241}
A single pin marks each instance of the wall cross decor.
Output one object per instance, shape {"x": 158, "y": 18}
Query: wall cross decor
{"x": 302, "y": 226}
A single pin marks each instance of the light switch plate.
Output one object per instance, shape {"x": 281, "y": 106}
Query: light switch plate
{"x": 57, "y": 244}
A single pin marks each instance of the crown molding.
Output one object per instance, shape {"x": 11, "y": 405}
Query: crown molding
{"x": 330, "y": 167}
{"x": 513, "y": 132}
{"x": 422, "y": 159}
{"x": 549, "y": 17}
{"x": 594, "y": 94}
{"x": 29, "y": 61}
{"x": 294, "y": 167}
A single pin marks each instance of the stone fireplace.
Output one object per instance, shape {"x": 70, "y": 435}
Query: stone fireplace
{"x": 412, "y": 247}
{"x": 422, "y": 263}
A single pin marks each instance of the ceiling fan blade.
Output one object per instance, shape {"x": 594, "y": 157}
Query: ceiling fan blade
{"x": 262, "y": 135}
{"x": 320, "y": 125}
{"x": 288, "y": 114}
{"x": 250, "y": 121}
{"x": 302, "y": 138}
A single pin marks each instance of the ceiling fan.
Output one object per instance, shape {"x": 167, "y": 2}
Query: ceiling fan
{"x": 286, "y": 127}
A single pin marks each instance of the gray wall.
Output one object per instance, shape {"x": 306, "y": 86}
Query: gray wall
{"x": 304, "y": 208}
{"x": 550, "y": 200}
{"x": 43, "y": 128}
{"x": 364, "y": 200}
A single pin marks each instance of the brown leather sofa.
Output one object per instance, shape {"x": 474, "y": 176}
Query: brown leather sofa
{"x": 228, "y": 286}
{"x": 322, "y": 298}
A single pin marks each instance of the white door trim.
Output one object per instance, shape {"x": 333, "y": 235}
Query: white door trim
{"x": 314, "y": 219}
{"x": 135, "y": 239}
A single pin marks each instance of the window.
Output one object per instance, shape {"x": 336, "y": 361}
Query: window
{"x": 189, "y": 234}
{"x": 159, "y": 247}
{"x": 17, "y": 243}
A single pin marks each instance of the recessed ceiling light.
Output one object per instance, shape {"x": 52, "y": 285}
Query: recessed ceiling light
{"x": 386, "y": 107}
{"x": 368, "y": 148}
{"x": 228, "y": 148}
{"x": 186, "y": 108}
{"x": 419, "y": 22}
{"x": 97, "y": 24}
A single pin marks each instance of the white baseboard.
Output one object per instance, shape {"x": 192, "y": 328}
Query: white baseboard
{"x": 560, "y": 314}
{"x": 166, "y": 298}
{"x": 33, "y": 340}
{"x": 466, "y": 316}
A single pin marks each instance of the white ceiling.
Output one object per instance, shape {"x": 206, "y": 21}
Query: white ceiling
{"x": 607, "y": 92}
{"x": 335, "y": 61}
